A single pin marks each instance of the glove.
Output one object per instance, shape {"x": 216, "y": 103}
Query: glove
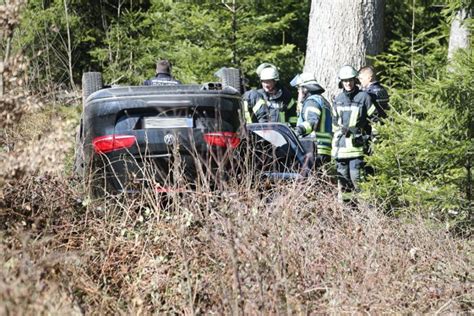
{"x": 299, "y": 131}
{"x": 345, "y": 131}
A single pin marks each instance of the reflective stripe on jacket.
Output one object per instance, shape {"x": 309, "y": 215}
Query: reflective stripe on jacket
{"x": 264, "y": 108}
{"x": 161, "y": 80}
{"x": 350, "y": 123}
{"x": 316, "y": 120}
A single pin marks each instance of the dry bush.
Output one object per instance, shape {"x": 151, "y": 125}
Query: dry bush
{"x": 18, "y": 158}
{"x": 36, "y": 217}
{"x": 33, "y": 140}
{"x": 44, "y": 153}
{"x": 249, "y": 247}
{"x": 287, "y": 248}
{"x": 31, "y": 143}
{"x": 14, "y": 98}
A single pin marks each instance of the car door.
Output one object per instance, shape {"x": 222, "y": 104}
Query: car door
{"x": 277, "y": 153}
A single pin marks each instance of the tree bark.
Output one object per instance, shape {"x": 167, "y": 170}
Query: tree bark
{"x": 342, "y": 32}
{"x": 459, "y": 35}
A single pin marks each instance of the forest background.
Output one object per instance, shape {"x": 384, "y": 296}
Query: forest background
{"x": 423, "y": 162}
{"x": 432, "y": 114}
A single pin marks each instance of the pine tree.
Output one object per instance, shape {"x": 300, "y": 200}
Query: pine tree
{"x": 425, "y": 154}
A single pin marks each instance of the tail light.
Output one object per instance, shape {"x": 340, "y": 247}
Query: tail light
{"x": 108, "y": 143}
{"x": 222, "y": 139}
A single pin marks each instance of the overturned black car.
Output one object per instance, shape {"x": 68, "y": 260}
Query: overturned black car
{"x": 168, "y": 137}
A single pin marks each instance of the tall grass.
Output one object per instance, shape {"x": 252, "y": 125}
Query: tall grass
{"x": 246, "y": 248}
{"x": 288, "y": 247}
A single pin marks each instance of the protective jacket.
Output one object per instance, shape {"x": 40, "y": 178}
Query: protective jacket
{"x": 315, "y": 120}
{"x": 261, "y": 107}
{"x": 350, "y": 124}
{"x": 161, "y": 79}
{"x": 379, "y": 107}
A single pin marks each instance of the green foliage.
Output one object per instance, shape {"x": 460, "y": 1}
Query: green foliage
{"x": 199, "y": 38}
{"x": 417, "y": 44}
{"x": 123, "y": 45}
{"x": 427, "y": 144}
{"x": 192, "y": 36}
{"x": 124, "y": 40}
{"x": 263, "y": 37}
{"x": 45, "y": 41}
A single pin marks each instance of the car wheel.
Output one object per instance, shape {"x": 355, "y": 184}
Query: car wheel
{"x": 230, "y": 77}
{"x": 91, "y": 82}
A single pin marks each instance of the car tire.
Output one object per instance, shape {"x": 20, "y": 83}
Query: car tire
{"x": 91, "y": 82}
{"x": 230, "y": 77}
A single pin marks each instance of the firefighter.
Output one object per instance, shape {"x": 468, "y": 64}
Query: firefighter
{"x": 163, "y": 75}
{"x": 350, "y": 124}
{"x": 378, "y": 110}
{"x": 315, "y": 118}
{"x": 379, "y": 95}
{"x": 271, "y": 103}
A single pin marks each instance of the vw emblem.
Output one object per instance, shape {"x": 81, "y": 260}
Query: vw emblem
{"x": 169, "y": 139}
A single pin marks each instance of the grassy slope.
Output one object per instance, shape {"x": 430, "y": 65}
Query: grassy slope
{"x": 292, "y": 249}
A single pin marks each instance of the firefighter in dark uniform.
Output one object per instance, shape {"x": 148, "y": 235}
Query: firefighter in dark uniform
{"x": 379, "y": 108}
{"x": 315, "y": 118}
{"x": 163, "y": 75}
{"x": 379, "y": 95}
{"x": 351, "y": 127}
{"x": 271, "y": 103}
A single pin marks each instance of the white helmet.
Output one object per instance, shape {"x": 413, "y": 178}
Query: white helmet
{"x": 263, "y": 66}
{"x": 308, "y": 81}
{"x": 306, "y": 78}
{"x": 347, "y": 72}
{"x": 269, "y": 73}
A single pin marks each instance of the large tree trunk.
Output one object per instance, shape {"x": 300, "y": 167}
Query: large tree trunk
{"x": 459, "y": 36}
{"x": 342, "y": 32}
